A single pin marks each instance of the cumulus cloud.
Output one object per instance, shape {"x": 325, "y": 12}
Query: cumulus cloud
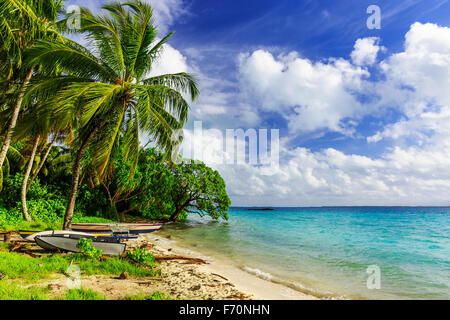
{"x": 402, "y": 176}
{"x": 165, "y": 12}
{"x": 366, "y": 51}
{"x": 170, "y": 61}
{"x": 416, "y": 84}
{"x": 310, "y": 95}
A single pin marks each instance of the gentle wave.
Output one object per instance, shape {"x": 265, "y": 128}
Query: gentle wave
{"x": 297, "y": 286}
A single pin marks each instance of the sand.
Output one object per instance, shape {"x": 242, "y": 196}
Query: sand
{"x": 217, "y": 279}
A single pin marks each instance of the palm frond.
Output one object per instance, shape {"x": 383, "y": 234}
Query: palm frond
{"x": 182, "y": 81}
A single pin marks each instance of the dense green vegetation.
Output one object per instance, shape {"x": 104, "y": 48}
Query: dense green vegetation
{"x": 72, "y": 117}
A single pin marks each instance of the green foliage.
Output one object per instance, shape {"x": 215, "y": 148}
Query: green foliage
{"x": 44, "y": 206}
{"x": 83, "y": 294}
{"x": 157, "y": 295}
{"x": 13, "y": 291}
{"x": 141, "y": 255}
{"x": 88, "y": 250}
{"x": 18, "y": 266}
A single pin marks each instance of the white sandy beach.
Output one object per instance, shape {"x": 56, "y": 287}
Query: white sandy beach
{"x": 244, "y": 282}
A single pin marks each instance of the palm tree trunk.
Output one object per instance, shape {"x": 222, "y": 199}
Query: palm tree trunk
{"x": 41, "y": 164}
{"x": 76, "y": 178}
{"x": 25, "y": 180}
{"x": 15, "y": 115}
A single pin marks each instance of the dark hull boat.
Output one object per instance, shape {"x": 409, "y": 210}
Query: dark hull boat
{"x": 68, "y": 242}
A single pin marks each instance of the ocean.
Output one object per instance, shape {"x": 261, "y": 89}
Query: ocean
{"x": 333, "y": 252}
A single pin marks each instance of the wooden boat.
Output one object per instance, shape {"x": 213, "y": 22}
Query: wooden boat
{"x": 132, "y": 228}
{"x": 68, "y": 242}
{"x": 30, "y": 235}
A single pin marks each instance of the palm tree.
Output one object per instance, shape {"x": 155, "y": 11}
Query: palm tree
{"x": 14, "y": 159}
{"x": 37, "y": 127}
{"x": 22, "y": 22}
{"x": 107, "y": 93}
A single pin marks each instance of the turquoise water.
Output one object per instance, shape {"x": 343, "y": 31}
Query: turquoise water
{"x": 326, "y": 251}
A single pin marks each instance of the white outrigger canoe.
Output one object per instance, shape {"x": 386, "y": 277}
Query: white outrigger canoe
{"x": 68, "y": 242}
{"x": 31, "y": 235}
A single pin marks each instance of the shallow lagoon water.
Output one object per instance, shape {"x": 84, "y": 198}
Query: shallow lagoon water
{"x": 326, "y": 251}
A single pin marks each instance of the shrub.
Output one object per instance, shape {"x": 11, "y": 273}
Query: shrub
{"x": 88, "y": 250}
{"x": 141, "y": 256}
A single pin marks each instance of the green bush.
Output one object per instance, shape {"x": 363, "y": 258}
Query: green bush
{"x": 141, "y": 256}
{"x": 88, "y": 250}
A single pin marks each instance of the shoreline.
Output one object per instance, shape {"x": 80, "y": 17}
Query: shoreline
{"x": 249, "y": 284}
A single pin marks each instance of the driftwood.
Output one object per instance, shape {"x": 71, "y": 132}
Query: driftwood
{"x": 239, "y": 296}
{"x": 6, "y": 236}
{"x": 148, "y": 283}
{"x": 190, "y": 260}
{"x": 218, "y": 275}
{"x": 15, "y": 246}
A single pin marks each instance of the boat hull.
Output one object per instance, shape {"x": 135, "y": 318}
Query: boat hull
{"x": 109, "y": 246}
{"x": 31, "y": 235}
{"x": 123, "y": 228}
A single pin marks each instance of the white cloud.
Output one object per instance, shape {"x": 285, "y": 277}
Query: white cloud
{"x": 417, "y": 83}
{"x": 170, "y": 61}
{"x": 408, "y": 176}
{"x": 366, "y": 51}
{"x": 165, "y": 12}
{"x": 310, "y": 95}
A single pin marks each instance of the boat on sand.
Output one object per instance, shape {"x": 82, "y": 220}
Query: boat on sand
{"x": 116, "y": 228}
{"x": 68, "y": 242}
{"x": 31, "y": 235}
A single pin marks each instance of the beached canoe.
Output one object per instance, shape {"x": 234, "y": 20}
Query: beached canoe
{"x": 30, "y": 235}
{"x": 132, "y": 228}
{"x": 68, "y": 242}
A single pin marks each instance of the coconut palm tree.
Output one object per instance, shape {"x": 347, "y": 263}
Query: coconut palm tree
{"x": 14, "y": 159}
{"x": 22, "y": 22}
{"x": 107, "y": 93}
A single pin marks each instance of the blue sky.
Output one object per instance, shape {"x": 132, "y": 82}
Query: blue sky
{"x": 362, "y": 113}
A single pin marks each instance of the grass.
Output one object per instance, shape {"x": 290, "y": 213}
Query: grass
{"x": 157, "y": 295}
{"x": 24, "y": 269}
{"x": 12, "y": 291}
{"x": 18, "y": 266}
{"x": 83, "y": 294}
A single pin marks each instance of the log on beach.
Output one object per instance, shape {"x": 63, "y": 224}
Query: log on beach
{"x": 189, "y": 260}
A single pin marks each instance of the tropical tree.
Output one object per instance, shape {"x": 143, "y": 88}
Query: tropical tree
{"x": 108, "y": 91}
{"x": 13, "y": 159}
{"x": 22, "y": 22}
{"x": 36, "y": 127}
{"x": 198, "y": 189}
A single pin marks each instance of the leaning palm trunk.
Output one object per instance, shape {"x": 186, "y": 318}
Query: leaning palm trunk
{"x": 15, "y": 115}
{"x": 76, "y": 178}
{"x": 25, "y": 180}
{"x": 41, "y": 164}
